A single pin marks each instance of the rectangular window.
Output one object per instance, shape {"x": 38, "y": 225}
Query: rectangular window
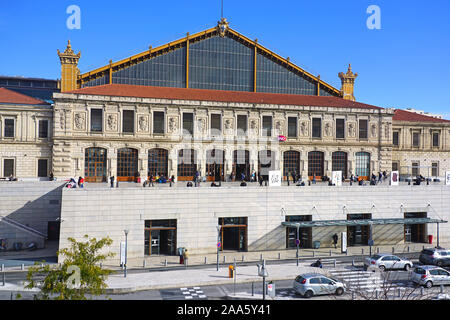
{"x": 363, "y": 129}
{"x": 216, "y": 124}
{"x": 188, "y": 123}
{"x": 317, "y": 128}
{"x": 434, "y": 169}
{"x": 42, "y": 167}
{"x": 394, "y": 166}
{"x": 128, "y": 121}
{"x": 158, "y": 122}
{"x": 8, "y": 167}
{"x": 43, "y": 129}
{"x": 435, "y": 139}
{"x": 97, "y": 120}
{"x": 241, "y": 125}
{"x": 340, "y": 128}
{"x": 416, "y": 139}
{"x": 9, "y": 128}
{"x": 267, "y": 126}
{"x": 395, "y": 138}
{"x": 415, "y": 169}
{"x": 292, "y": 127}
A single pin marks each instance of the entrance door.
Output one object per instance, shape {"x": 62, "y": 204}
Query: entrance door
{"x": 127, "y": 164}
{"x": 415, "y": 232}
{"x": 233, "y": 233}
{"x": 160, "y": 237}
{"x": 95, "y": 164}
{"x": 53, "y": 228}
{"x": 215, "y": 160}
{"x": 358, "y": 235}
{"x": 241, "y": 164}
{"x": 155, "y": 242}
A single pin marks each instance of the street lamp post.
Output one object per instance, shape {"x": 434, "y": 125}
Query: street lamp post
{"x": 218, "y": 246}
{"x": 297, "y": 241}
{"x": 262, "y": 272}
{"x": 126, "y": 248}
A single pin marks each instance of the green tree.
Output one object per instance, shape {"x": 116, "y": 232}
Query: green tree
{"x": 78, "y": 275}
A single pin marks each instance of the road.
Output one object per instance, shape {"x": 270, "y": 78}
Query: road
{"x": 348, "y": 269}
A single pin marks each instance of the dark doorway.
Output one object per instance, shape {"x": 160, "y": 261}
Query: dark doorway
{"x": 160, "y": 237}
{"x": 358, "y": 235}
{"x": 233, "y": 233}
{"x": 415, "y": 233}
{"x": 53, "y": 228}
{"x": 241, "y": 164}
{"x": 305, "y": 234}
{"x": 215, "y": 160}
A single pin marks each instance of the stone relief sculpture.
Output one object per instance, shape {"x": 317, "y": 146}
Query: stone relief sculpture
{"x": 112, "y": 122}
{"x": 351, "y": 129}
{"x": 327, "y": 129}
{"x": 80, "y": 121}
{"x": 201, "y": 125}
{"x": 304, "y": 128}
{"x": 254, "y": 126}
{"x": 143, "y": 123}
{"x": 173, "y": 127}
{"x": 228, "y": 124}
{"x": 373, "y": 130}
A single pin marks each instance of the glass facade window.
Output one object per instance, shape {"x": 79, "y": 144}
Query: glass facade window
{"x": 216, "y": 124}
{"x": 128, "y": 121}
{"x": 215, "y": 160}
{"x": 267, "y": 126}
{"x": 266, "y": 162}
{"x": 292, "y": 127}
{"x": 221, "y": 63}
{"x": 42, "y": 167}
{"x": 43, "y": 129}
{"x": 315, "y": 164}
{"x": 96, "y": 120}
{"x": 9, "y": 128}
{"x": 241, "y": 125}
{"x": 395, "y": 138}
{"x": 160, "y": 237}
{"x": 166, "y": 70}
{"x": 241, "y": 164}
{"x": 416, "y": 139}
{"x": 276, "y": 78}
{"x": 317, "y": 128}
{"x": 158, "y": 160}
{"x": 188, "y": 123}
{"x": 363, "y": 132}
{"x": 340, "y": 128}
{"x": 339, "y": 163}
{"x": 435, "y": 139}
{"x": 158, "y": 122}
{"x": 363, "y": 164}
{"x": 291, "y": 163}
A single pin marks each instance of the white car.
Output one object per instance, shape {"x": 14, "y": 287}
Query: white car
{"x": 386, "y": 261}
{"x": 312, "y": 284}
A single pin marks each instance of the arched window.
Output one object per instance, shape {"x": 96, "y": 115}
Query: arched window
{"x": 241, "y": 164}
{"x": 158, "y": 162}
{"x": 339, "y": 162}
{"x": 215, "y": 160}
{"x": 127, "y": 164}
{"x": 95, "y": 164}
{"x": 363, "y": 165}
{"x": 291, "y": 163}
{"x": 187, "y": 164}
{"x": 316, "y": 164}
{"x": 266, "y": 163}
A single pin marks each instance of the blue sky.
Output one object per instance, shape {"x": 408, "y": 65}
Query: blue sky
{"x": 404, "y": 64}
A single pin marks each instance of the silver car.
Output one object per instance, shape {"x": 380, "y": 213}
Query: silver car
{"x": 311, "y": 284}
{"x": 386, "y": 261}
{"x": 429, "y": 276}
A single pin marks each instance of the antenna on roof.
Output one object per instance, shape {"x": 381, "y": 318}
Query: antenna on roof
{"x": 221, "y": 10}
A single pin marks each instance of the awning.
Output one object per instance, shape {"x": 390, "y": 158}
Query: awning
{"x": 361, "y": 222}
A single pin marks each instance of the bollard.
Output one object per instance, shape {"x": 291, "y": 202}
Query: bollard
{"x": 335, "y": 263}
{"x": 378, "y": 250}
{"x": 346, "y": 252}
{"x": 376, "y": 294}
{"x": 393, "y": 250}
{"x": 399, "y": 292}
{"x": 144, "y": 264}
{"x": 205, "y": 260}
{"x": 253, "y": 288}
{"x": 313, "y": 253}
{"x": 224, "y": 259}
{"x": 242, "y": 258}
{"x": 22, "y": 267}
{"x": 421, "y": 291}
{"x": 4, "y": 279}
{"x": 353, "y": 295}
{"x": 442, "y": 288}
{"x": 330, "y": 253}
{"x": 362, "y": 251}
{"x": 408, "y": 249}
{"x": 165, "y": 263}
{"x": 261, "y": 257}
{"x": 353, "y": 262}
{"x": 3, "y": 267}
{"x": 279, "y": 256}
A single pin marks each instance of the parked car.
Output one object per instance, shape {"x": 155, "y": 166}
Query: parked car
{"x": 386, "y": 261}
{"x": 311, "y": 284}
{"x": 429, "y": 276}
{"x": 435, "y": 256}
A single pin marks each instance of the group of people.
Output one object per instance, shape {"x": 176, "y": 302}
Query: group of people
{"x": 73, "y": 184}
{"x": 159, "y": 178}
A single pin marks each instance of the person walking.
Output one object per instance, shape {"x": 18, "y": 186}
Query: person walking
{"x": 185, "y": 257}
{"x": 335, "y": 240}
{"x": 294, "y": 176}
{"x": 111, "y": 179}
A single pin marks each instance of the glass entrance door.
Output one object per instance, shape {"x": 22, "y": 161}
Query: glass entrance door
{"x": 155, "y": 242}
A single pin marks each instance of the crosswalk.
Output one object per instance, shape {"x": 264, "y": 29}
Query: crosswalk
{"x": 359, "y": 280}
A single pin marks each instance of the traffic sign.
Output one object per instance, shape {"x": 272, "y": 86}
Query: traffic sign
{"x": 218, "y": 244}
